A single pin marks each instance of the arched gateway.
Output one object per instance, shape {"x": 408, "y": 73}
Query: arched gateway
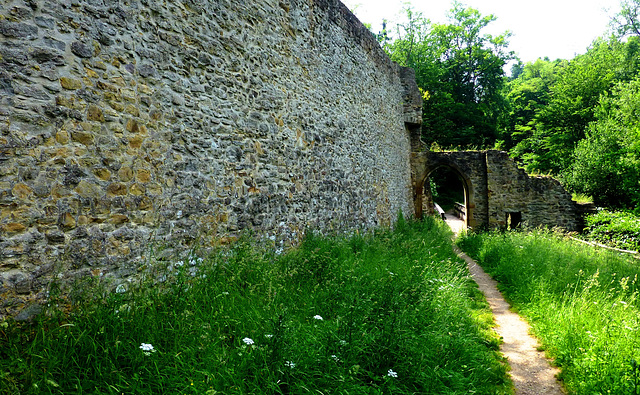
{"x": 497, "y": 193}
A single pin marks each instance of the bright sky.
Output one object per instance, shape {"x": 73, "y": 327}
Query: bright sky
{"x": 541, "y": 28}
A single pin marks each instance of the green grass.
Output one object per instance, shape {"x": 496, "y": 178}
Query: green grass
{"x": 619, "y": 229}
{"x": 390, "y": 313}
{"x": 581, "y": 198}
{"x": 581, "y": 302}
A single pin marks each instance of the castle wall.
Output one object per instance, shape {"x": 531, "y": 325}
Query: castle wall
{"x": 541, "y": 201}
{"x": 495, "y": 186}
{"x": 127, "y": 125}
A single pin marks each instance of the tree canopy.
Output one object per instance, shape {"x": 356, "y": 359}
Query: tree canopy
{"x": 460, "y": 70}
{"x": 576, "y": 118}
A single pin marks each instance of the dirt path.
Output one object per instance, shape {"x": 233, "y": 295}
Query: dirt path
{"x": 530, "y": 370}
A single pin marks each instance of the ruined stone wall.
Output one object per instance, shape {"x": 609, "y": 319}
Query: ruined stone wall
{"x": 470, "y": 166}
{"x": 129, "y": 123}
{"x": 542, "y": 201}
{"x": 494, "y": 186}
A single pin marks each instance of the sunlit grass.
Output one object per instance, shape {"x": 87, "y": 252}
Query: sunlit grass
{"x": 581, "y": 198}
{"x": 394, "y": 312}
{"x": 581, "y": 301}
{"x": 619, "y": 229}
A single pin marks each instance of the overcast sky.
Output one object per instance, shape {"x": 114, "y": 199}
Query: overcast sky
{"x": 541, "y": 28}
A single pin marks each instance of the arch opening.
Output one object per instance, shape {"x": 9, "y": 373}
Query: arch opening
{"x": 446, "y": 189}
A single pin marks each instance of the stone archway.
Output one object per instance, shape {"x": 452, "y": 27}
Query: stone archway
{"x": 497, "y": 191}
{"x": 467, "y": 165}
{"x": 428, "y": 201}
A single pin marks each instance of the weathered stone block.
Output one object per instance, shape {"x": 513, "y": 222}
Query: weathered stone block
{"x": 70, "y": 84}
{"x": 118, "y": 219}
{"x": 18, "y": 30}
{"x": 66, "y": 221}
{"x": 94, "y": 113}
{"x": 82, "y": 137}
{"x": 21, "y": 191}
{"x": 116, "y": 189}
{"x": 82, "y": 50}
{"x": 14, "y": 227}
{"x": 103, "y": 174}
{"x": 87, "y": 189}
{"x": 55, "y": 236}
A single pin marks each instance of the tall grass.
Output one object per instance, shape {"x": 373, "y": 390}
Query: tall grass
{"x": 581, "y": 302}
{"x": 393, "y": 312}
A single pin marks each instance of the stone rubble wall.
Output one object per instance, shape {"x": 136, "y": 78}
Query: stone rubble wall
{"x": 127, "y": 125}
{"x": 470, "y": 167}
{"x": 542, "y": 201}
{"x": 494, "y": 186}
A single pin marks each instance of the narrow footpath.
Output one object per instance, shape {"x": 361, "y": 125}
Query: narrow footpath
{"x": 531, "y": 372}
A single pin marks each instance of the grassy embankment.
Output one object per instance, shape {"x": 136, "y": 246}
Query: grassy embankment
{"x": 393, "y": 312}
{"x": 582, "y": 303}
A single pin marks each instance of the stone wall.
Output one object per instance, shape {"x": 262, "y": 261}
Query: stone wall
{"x": 470, "y": 166}
{"x": 494, "y": 186}
{"x": 541, "y": 201}
{"x": 128, "y": 124}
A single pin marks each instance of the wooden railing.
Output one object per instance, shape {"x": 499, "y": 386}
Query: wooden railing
{"x": 460, "y": 210}
{"x": 439, "y": 211}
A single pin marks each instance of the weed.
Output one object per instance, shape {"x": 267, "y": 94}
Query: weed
{"x": 619, "y": 229}
{"x": 581, "y": 302}
{"x": 581, "y": 198}
{"x": 394, "y": 312}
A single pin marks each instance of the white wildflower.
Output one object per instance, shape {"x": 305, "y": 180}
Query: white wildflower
{"x": 147, "y": 348}
{"x": 391, "y": 373}
{"x": 317, "y": 317}
{"x": 290, "y": 364}
{"x": 248, "y": 341}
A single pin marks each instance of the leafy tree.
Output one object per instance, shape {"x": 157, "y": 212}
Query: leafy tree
{"x": 607, "y": 162}
{"x": 460, "y": 70}
{"x": 527, "y": 93}
{"x": 627, "y": 21}
{"x": 517, "y": 69}
{"x": 560, "y": 124}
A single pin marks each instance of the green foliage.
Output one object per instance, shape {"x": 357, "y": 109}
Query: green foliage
{"x": 461, "y": 70}
{"x": 551, "y": 113}
{"x": 607, "y": 161}
{"x": 627, "y": 21}
{"x": 581, "y": 302}
{"x": 581, "y": 198}
{"x": 578, "y": 120}
{"x": 526, "y": 95}
{"x": 619, "y": 229}
{"x": 337, "y": 315}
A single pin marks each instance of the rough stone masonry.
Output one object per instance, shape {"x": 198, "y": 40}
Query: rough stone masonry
{"x": 127, "y": 124}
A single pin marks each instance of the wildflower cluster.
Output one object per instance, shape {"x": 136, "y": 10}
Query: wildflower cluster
{"x": 147, "y": 348}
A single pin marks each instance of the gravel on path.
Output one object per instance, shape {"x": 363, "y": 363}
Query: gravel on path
{"x": 531, "y": 372}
